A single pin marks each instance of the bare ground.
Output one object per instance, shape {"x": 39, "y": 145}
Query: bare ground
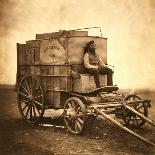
{"x": 20, "y": 138}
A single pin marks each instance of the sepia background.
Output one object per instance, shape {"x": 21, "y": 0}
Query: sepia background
{"x": 128, "y": 25}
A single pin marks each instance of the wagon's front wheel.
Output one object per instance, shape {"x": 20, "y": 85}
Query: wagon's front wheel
{"x": 74, "y": 115}
{"x": 30, "y": 99}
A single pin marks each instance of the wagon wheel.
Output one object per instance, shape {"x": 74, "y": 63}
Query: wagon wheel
{"x": 74, "y": 115}
{"x": 131, "y": 119}
{"x": 30, "y": 99}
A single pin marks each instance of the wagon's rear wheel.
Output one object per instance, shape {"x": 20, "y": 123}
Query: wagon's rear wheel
{"x": 74, "y": 115}
{"x": 30, "y": 99}
{"x": 130, "y": 118}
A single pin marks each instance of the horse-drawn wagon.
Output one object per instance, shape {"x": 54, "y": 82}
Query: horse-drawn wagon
{"x": 50, "y": 75}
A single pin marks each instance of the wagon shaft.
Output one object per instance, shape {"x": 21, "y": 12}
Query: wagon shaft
{"x": 122, "y": 127}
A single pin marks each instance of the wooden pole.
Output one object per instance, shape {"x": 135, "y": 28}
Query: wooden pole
{"x": 123, "y": 127}
{"x": 106, "y": 105}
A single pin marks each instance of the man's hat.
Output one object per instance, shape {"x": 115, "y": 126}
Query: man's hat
{"x": 91, "y": 42}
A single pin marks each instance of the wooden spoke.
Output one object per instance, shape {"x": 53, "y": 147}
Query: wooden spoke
{"x": 38, "y": 96}
{"x": 73, "y": 104}
{"x": 138, "y": 108}
{"x": 27, "y": 112}
{"x": 25, "y": 89}
{"x": 78, "y": 109}
{"x": 30, "y": 99}
{"x": 129, "y": 119}
{"x": 74, "y": 115}
{"x": 70, "y": 105}
{"x": 31, "y": 111}
{"x": 68, "y": 117}
{"x": 27, "y": 86}
{"x": 80, "y": 114}
{"x": 38, "y": 103}
{"x": 26, "y": 105}
{"x": 136, "y": 120}
{"x": 76, "y": 128}
{"x": 23, "y": 94}
{"x": 37, "y": 109}
{"x": 36, "y": 91}
{"x": 24, "y": 101}
{"x": 33, "y": 107}
{"x": 78, "y": 125}
{"x": 80, "y": 120}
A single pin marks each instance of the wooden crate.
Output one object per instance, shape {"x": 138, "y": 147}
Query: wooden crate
{"x": 86, "y": 83}
{"x": 82, "y": 84}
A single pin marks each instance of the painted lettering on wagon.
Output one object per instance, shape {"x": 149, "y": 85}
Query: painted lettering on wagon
{"x": 52, "y": 47}
{"x": 51, "y": 51}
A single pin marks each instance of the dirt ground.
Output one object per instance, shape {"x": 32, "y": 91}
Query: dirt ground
{"x": 20, "y": 138}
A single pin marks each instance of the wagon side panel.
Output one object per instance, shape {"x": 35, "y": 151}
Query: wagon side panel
{"x": 54, "y": 79}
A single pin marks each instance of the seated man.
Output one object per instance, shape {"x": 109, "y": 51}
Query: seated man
{"x": 94, "y": 65}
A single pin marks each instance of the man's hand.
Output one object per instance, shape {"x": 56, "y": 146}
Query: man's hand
{"x": 100, "y": 68}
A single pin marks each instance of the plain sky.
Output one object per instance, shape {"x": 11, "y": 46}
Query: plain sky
{"x": 128, "y": 25}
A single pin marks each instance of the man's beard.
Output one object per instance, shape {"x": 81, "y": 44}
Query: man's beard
{"x": 92, "y": 50}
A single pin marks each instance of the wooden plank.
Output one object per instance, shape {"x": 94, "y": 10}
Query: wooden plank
{"x": 24, "y": 70}
{"x": 44, "y": 70}
{"x": 61, "y": 34}
{"x": 36, "y": 55}
{"x": 56, "y": 83}
{"x": 103, "y": 80}
{"x": 49, "y": 82}
{"x": 87, "y": 83}
{"x": 49, "y": 97}
{"x": 63, "y": 83}
{"x": 92, "y": 84}
{"x": 50, "y": 70}
{"x": 35, "y": 70}
{"x": 82, "y": 84}
{"x": 32, "y": 52}
{"x": 69, "y": 84}
{"x": 21, "y": 52}
{"x": 53, "y": 98}
{"x": 56, "y": 70}
{"x": 56, "y": 99}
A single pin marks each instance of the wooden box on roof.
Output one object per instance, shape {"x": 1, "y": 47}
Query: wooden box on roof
{"x": 62, "y": 33}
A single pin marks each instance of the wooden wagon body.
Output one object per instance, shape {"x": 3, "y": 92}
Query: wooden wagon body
{"x": 52, "y": 57}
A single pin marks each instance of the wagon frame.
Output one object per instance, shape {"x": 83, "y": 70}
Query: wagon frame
{"x": 34, "y": 97}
